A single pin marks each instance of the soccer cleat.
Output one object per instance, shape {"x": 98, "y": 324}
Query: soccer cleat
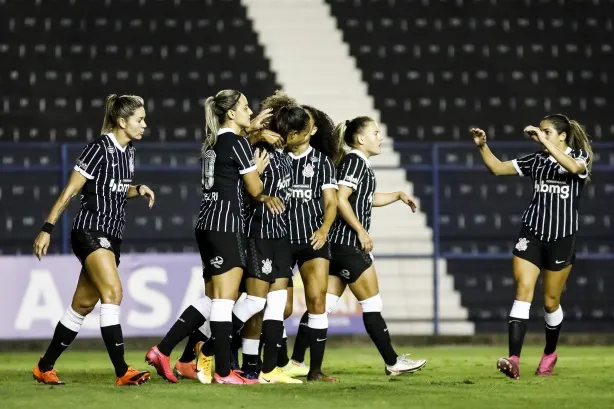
{"x": 204, "y": 365}
{"x": 276, "y": 376}
{"x": 233, "y": 378}
{"x": 546, "y": 365}
{"x": 295, "y": 369}
{"x": 320, "y": 377}
{"x": 251, "y": 375}
{"x": 48, "y": 378}
{"x": 509, "y": 366}
{"x": 185, "y": 370}
{"x": 404, "y": 365}
{"x": 162, "y": 364}
{"x": 132, "y": 377}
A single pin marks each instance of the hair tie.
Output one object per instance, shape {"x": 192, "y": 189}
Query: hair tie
{"x": 347, "y": 122}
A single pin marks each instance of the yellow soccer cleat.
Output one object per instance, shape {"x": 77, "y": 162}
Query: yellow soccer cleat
{"x": 204, "y": 365}
{"x": 295, "y": 369}
{"x": 276, "y": 376}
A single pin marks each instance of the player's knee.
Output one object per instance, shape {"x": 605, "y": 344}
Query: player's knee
{"x": 372, "y": 304}
{"x": 551, "y": 302}
{"x": 83, "y": 307}
{"x": 316, "y": 304}
{"x": 112, "y": 295}
{"x": 524, "y": 290}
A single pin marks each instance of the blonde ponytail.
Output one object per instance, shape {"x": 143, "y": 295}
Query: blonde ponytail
{"x": 579, "y": 139}
{"x": 215, "y": 114}
{"x": 108, "y": 107}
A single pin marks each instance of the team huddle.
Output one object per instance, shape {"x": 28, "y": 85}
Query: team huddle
{"x": 283, "y": 190}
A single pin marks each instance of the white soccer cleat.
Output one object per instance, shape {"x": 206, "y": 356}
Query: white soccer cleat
{"x": 405, "y": 365}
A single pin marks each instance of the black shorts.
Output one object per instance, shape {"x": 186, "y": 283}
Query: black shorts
{"x": 85, "y": 242}
{"x": 302, "y": 253}
{"x": 268, "y": 259}
{"x": 220, "y": 251}
{"x": 348, "y": 262}
{"x": 554, "y": 255}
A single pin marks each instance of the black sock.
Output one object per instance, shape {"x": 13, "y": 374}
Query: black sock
{"x": 517, "y": 331}
{"x": 188, "y": 352}
{"x": 114, "y": 341}
{"x": 237, "y": 328}
{"x": 250, "y": 363}
{"x": 189, "y": 320}
{"x": 552, "y": 338}
{"x": 209, "y": 348}
{"x": 272, "y": 333}
{"x": 302, "y": 340}
{"x": 221, "y": 333}
{"x": 378, "y": 331}
{"x": 282, "y": 355}
{"x": 62, "y": 338}
{"x": 317, "y": 346}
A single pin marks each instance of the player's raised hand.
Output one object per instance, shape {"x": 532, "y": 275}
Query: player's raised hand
{"x": 260, "y": 120}
{"x": 408, "y": 200}
{"x": 535, "y": 133}
{"x": 479, "y": 136}
{"x": 261, "y": 157}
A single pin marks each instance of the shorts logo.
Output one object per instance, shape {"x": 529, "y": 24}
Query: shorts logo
{"x": 267, "y": 266}
{"x": 104, "y": 242}
{"x": 522, "y": 244}
{"x": 345, "y": 274}
{"x": 308, "y": 170}
{"x": 217, "y": 261}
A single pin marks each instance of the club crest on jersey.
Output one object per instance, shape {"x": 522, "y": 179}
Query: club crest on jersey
{"x": 104, "y": 242}
{"x": 523, "y": 244}
{"x": 131, "y": 164}
{"x": 267, "y": 266}
{"x": 345, "y": 274}
{"x": 308, "y": 170}
{"x": 217, "y": 261}
{"x": 110, "y": 149}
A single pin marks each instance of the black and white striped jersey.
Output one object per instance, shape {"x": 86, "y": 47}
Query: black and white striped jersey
{"x": 260, "y": 222}
{"x": 553, "y": 211}
{"x": 222, "y": 167}
{"x": 312, "y": 173}
{"x": 109, "y": 170}
{"x": 355, "y": 171}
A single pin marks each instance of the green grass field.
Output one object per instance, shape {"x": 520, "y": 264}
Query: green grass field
{"x": 455, "y": 377}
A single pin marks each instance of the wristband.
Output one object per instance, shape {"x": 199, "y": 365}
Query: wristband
{"x": 138, "y": 189}
{"x": 47, "y": 227}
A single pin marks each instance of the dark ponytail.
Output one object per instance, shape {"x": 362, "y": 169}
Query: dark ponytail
{"x": 325, "y": 139}
{"x": 577, "y": 138}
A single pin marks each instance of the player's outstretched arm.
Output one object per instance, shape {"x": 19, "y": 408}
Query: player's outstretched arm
{"x": 494, "y": 165}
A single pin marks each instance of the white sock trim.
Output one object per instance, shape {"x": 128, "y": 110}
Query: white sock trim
{"x": 555, "y": 318}
{"x": 250, "y": 346}
{"x": 520, "y": 309}
{"x": 205, "y": 329}
{"x": 331, "y": 302}
{"x": 221, "y": 310}
{"x": 275, "y": 305}
{"x": 285, "y": 333}
{"x": 247, "y": 308}
{"x": 318, "y": 321}
{"x": 373, "y": 304}
{"x": 109, "y": 315}
{"x": 72, "y": 319}
{"x": 203, "y": 305}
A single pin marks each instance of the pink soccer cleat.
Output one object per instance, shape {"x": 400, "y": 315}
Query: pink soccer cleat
{"x": 234, "y": 378}
{"x": 546, "y": 365}
{"x": 162, "y": 364}
{"x": 509, "y": 366}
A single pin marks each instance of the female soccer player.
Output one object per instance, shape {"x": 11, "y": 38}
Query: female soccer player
{"x": 351, "y": 245}
{"x": 103, "y": 176}
{"x": 311, "y": 212}
{"x": 547, "y": 239}
{"x": 269, "y": 261}
{"x": 229, "y": 166}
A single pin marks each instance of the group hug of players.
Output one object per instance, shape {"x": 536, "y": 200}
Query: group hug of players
{"x": 288, "y": 188}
